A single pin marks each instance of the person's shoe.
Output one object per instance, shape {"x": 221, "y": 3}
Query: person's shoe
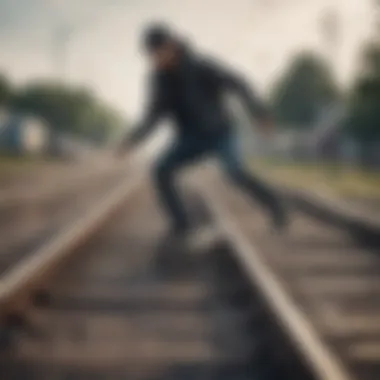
{"x": 202, "y": 238}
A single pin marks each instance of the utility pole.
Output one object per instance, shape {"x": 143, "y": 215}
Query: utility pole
{"x": 330, "y": 31}
{"x": 61, "y": 39}
{"x": 376, "y": 19}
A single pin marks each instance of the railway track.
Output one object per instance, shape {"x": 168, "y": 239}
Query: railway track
{"x": 61, "y": 183}
{"x": 26, "y": 226}
{"x": 322, "y": 283}
{"x": 115, "y": 299}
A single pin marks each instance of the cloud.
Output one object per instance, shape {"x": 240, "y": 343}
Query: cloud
{"x": 23, "y": 21}
{"x": 257, "y": 36}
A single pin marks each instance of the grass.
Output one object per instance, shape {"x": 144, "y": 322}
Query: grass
{"x": 12, "y": 165}
{"x": 346, "y": 182}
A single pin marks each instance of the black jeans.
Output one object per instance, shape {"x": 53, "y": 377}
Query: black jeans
{"x": 189, "y": 150}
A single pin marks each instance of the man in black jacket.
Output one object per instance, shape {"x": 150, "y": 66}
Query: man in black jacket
{"x": 189, "y": 89}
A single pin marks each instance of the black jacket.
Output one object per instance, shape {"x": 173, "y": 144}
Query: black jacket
{"x": 192, "y": 96}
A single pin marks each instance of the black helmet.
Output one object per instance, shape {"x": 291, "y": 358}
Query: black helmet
{"x": 155, "y": 36}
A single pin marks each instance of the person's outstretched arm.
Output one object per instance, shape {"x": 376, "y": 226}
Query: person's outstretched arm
{"x": 154, "y": 111}
{"x": 234, "y": 82}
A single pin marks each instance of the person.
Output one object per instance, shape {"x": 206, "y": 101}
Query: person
{"x": 189, "y": 88}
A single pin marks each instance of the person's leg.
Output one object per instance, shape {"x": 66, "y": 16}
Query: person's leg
{"x": 165, "y": 171}
{"x": 228, "y": 154}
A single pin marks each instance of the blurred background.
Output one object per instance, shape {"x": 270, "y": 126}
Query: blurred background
{"x": 72, "y": 81}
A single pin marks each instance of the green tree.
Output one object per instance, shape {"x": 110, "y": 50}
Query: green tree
{"x": 70, "y": 110}
{"x": 364, "y": 103}
{"x": 365, "y": 98}
{"x": 5, "y": 90}
{"x": 305, "y": 87}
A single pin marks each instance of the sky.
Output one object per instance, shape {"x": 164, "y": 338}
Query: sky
{"x": 258, "y": 37}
